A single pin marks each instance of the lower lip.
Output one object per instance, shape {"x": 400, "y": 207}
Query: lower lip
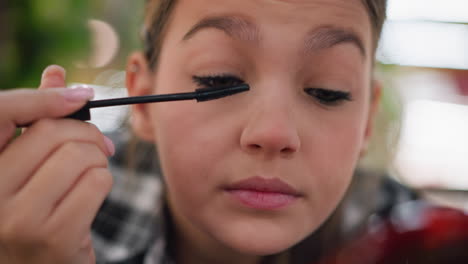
{"x": 263, "y": 200}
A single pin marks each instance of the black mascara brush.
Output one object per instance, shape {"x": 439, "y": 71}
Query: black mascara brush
{"x": 201, "y": 95}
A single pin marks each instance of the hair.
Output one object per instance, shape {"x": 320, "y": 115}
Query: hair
{"x": 158, "y": 13}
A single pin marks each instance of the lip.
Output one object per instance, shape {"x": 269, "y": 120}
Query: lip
{"x": 261, "y": 193}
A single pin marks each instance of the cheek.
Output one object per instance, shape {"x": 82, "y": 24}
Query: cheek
{"x": 341, "y": 142}
{"x": 331, "y": 153}
{"x": 338, "y": 160}
{"x": 190, "y": 142}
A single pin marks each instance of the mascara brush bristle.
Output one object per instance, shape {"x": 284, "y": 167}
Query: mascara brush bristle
{"x": 206, "y": 94}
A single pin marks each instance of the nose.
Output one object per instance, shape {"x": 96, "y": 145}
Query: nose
{"x": 270, "y": 130}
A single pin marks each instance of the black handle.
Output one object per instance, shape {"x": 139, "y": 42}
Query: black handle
{"x": 83, "y": 114}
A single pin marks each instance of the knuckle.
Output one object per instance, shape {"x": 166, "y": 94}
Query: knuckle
{"x": 53, "y": 243}
{"x": 8, "y": 231}
{"x": 8, "y": 227}
{"x": 37, "y": 238}
{"x": 95, "y": 135}
{"x": 101, "y": 159}
{"x": 92, "y": 127}
{"x": 73, "y": 150}
{"x": 11, "y": 225}
{"x": 15, "y": 231}
{"x": 88, "y": 153}
{"x": 18, "y": 232}
{"x": 93, "y": 131}
{"x": 99, "y": 180}
{"x": 96, "y": 156}
{"x": 96, "y": 132}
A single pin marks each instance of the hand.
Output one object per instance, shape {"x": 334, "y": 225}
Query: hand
{"x": 53, "y": 177}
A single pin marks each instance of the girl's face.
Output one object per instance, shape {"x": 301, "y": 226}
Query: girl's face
{"x": 227, "y": 162}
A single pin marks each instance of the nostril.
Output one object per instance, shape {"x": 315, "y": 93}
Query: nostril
{"x": 272, "y": 141}
{"x": 287, "y": 150}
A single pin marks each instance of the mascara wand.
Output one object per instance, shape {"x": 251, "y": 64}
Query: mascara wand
{"x": 201, "y": 95}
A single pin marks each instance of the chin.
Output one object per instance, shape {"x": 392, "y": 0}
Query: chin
{"x": 260, "y": 242}
{"x": 262, "y": 248}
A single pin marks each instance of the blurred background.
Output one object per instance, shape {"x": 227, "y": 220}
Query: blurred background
{"x": 421, "y": 137}
{"x": 424, "y": 54}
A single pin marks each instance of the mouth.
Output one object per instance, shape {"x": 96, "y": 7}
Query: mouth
{"x": 264, "y": 194}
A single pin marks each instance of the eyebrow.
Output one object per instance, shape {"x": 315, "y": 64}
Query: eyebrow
{"x": 322, "y": 37}
{"x": 328, "y": 36}
{"x": 233, "y": 26}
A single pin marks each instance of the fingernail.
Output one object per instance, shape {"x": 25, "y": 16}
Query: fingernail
{"x": 54, "y": 70}
{"x": 80, "y": 85}
{"x": 110, "y": 145}
{"x": 79, "y": 94}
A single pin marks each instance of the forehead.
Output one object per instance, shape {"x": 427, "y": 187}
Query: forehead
{"x": 276, "y": 15}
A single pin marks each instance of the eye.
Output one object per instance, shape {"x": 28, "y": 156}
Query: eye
{"x": 217, "y": 81}
{"x": 328, "y": 97}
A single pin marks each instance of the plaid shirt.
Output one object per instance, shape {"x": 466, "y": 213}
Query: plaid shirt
{"x": 130, "y": 227}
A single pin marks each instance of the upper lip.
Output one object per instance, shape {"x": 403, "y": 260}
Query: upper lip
{"x": 260, "y": 184}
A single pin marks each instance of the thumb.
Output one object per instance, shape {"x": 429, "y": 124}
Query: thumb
{"x": 53, "y": 77}
{"x": 24, "y": 106}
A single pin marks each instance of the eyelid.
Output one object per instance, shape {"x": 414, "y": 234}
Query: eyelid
{"x": 216, "y": 75}
{"x": 219, "y": 72}
{"x": 337, "y": 97}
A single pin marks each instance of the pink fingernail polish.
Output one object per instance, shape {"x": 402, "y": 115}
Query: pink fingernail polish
{"x": 79, "y": 94}
{"x": 110, "y": 145}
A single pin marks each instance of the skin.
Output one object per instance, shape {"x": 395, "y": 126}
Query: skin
{"x": 48, "y": 200}
{"x": 275, "y": 130}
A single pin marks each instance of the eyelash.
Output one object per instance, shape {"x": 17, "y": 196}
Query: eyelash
{"x": 324, "y": 96}
{"x": 217, "y": 81}
{"x": 328, "y": 97}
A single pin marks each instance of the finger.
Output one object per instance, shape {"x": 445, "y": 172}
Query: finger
{"x": 92, "y": 255}
{"x": 57, "y": 176}
{"x": 87, "y": 241}
{"x": 86, "y": 255}
{"x": 24, "y": 156}
{"x": 24, "y": 106}
{"x": 73, "y": 217}
{"x": 7, "y": 131}
{"x": 87, "y": 252}
{"x": 53, "y": 77}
